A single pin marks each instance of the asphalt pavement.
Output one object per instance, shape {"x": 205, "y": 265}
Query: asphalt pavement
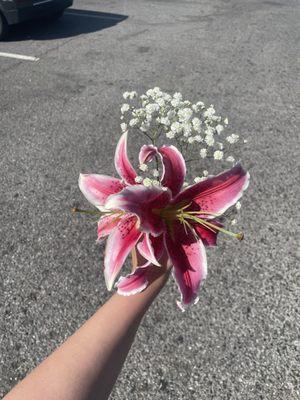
{"x": 60, "y": 116}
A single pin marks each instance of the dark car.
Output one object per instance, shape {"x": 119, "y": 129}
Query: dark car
{"x": 15, "y": 11}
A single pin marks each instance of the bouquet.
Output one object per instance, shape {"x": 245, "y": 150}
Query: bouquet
{"x": 157, "y": 211}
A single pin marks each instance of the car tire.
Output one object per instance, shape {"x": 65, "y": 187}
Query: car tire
{"x": 3, "y": 27}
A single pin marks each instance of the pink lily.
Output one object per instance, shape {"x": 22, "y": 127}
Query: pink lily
{"x": 97, "y": 188}
{"x": 161, "y": 219}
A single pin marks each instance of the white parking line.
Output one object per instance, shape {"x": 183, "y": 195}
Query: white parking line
{"x": 19, "y": 56}
{"x": 91, "y": 16}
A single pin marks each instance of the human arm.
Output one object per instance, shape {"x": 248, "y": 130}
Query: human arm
{"x": 87, "y": 365}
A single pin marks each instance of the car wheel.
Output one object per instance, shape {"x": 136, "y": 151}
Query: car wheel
{"x": 3, "y": 27}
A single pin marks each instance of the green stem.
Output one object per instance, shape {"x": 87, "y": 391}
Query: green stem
{"x": 149, "y": 137}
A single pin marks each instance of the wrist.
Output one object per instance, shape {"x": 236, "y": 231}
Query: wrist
{"x": 139, "y": 303}
{"x": 158, "y": 276}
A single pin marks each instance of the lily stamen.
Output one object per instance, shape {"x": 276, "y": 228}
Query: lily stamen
{"x": 91, "y": 212}
{"x": 204, "y": 213}
{"x": 205, "y": 223}
{"x": 174, "y": 212}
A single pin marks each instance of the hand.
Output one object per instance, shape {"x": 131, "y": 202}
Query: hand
{"x": 153, "y": 272}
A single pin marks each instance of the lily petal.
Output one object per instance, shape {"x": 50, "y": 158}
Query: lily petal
{"x": 133, "y": 283}
{"x": 208, "y": 237}
{"x": 151, "y": 248}
{"x": 187, "y": 254}
{"x": 122, "y": 163}
{"x": 147, "y": 153}
{"x": 96, "y": 188}
{"x": 106, "y": 224}
{"x": 218, "y": 193}
{"x": 119, "y": 244}
{"x": 141, "y": 201}
{"x": 174, "y": 170}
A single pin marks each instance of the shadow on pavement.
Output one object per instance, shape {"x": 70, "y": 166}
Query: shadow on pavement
{"x": 73, "y": 22}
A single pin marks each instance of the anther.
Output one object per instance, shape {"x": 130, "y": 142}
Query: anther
{"x": 240, "y": 236}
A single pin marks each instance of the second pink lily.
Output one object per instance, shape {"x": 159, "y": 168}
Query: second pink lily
{"x": 160, "y": 219}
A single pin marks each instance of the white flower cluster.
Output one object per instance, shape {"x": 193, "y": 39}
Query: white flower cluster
{"x": 196, "y": 129}
{"x": 146, "y": 181}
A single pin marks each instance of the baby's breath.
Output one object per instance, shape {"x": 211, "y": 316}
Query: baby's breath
{"x": 143, "y": 167}
{"x": 138, "y": 179}
{"x": 219, "y": 129}
{"x": 232, "y": 138}
{"x": 218, "y": 155}
{"x": 197, "y": 179}
{"x": 238, "y": 205}
{"x": 193, "y": 127}
{"x": 124, "y": 108}
{"x": 203, "y": 153}
{"x": 123, "y": 127}
{"x": 230, "y": 159}
{"x": 147, "y": 182}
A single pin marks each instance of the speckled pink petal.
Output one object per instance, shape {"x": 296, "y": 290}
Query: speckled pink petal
{"x": 133, "y": 283}
{"x": 151, "y": 248}
{"x": 120, "y": 242}
{"x": 96, "y": 188}
{"x": 106, "y": 224}
{"x": 144, "y": 202}
{"x": 174, "y": 169}
{"x": 122, "y": 163}
{"x": 187, "y": 254}
{"x": 218, "y": 193}
{"x": 208, "y": 237}
{"x": 147, "y": 153}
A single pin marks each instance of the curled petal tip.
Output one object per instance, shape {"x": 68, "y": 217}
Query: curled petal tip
{"x": 147, "y": 153}
{"x": 109, "y": 283}
{"x": 126, "y": 292}
{"x": 174, "y": 168}
{"x": 152, "y": 248}
{"x": 183, "y": 307}
{"x": 133, "y": 283}
{"x": 196, "y": 300}
{"x": 180, "y": 306}
{"x": 81, "y": 179}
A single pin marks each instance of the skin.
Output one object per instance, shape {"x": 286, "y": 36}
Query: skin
{"x": 87, "y": 365}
